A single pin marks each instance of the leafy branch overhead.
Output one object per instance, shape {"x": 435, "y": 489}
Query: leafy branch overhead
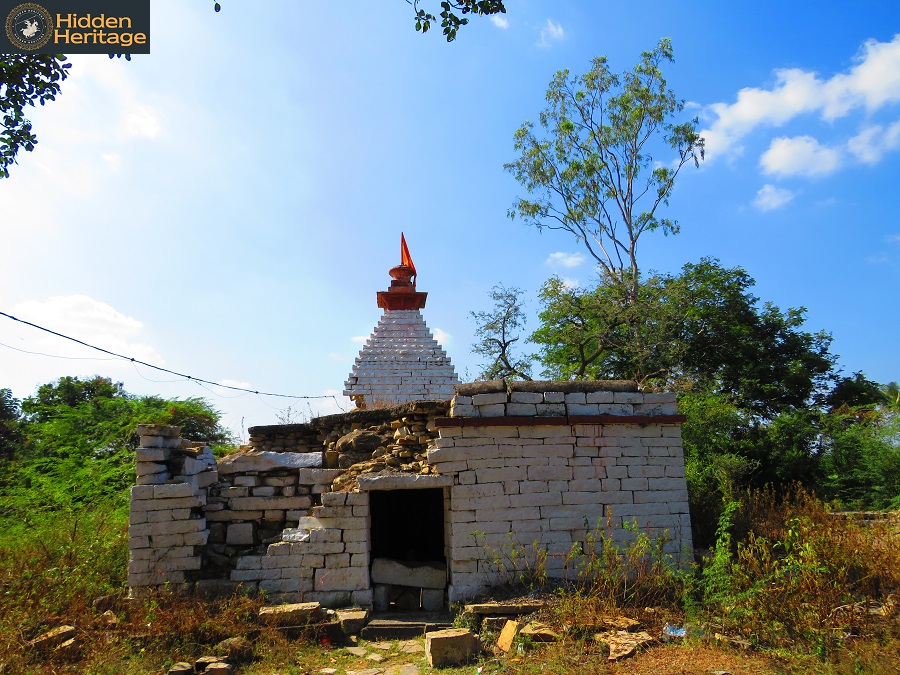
{"x": 450, "y": 20}
{"x": 24, "y": 80}
{"x": 498, "y": 333}
{"x": 603, "y": 164}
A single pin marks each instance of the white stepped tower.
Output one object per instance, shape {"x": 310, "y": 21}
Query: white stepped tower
{"x": 401, "y": 361}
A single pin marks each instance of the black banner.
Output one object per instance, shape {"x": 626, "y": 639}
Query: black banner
{"x": 75, "y": 27}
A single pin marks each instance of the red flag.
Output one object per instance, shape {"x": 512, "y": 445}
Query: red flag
{"x": 405, "y": 258}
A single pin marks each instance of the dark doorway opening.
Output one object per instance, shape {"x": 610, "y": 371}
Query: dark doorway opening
{"x": 409, "y": 568}
{"x": 408, "y": 525}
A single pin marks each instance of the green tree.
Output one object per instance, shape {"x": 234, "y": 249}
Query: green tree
{"x": 9, "y": 423}
{"x": 606, "y": 160}
{"x": 701, "y": 330}
{"x": 497, "y": 334}
{"x": 24, "y": 80}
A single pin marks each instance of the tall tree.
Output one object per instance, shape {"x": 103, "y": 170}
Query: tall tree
{"x": 498, "y": 333}
{"x": 606, "y": 160}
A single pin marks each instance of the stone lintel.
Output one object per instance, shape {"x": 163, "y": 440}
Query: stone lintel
{"x": 402, "y": 482}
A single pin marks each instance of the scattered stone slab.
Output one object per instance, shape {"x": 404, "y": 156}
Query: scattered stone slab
{"x": 357, "y": 651}
{"x": 621, "y": 622}
{"x": 109, "y": 619}
{"x": 538, "y": 632}
{"x": 500, "y": 609}
{"x": 242, "y": 462}
{"x": 67, "y": 649}
{"x": 403, "y": 669}
{"x": 372, "y": 656}
{"x": 292, "y": 614}
{"x": 412, "y": 647}
{"x": 622, "y": 643}
{"x": 202, "y": 663}
{"x": 181, "y": 668}
{"x": 366, "y": 671}
{"x": 53, "y": 638}
{"x": 394, "y": 573}
{"x": 352, "y": 620}
{"x": 450, "y": 647}
{"x": 236, "y": 649}
{"x": 218, "y": 668}
{"x": 508, "y": 634}
{"x": 383, "y": 646}
{"x": 327, "y": 671}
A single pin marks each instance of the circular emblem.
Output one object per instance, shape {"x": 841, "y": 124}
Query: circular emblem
{"x": 29, "y": 26}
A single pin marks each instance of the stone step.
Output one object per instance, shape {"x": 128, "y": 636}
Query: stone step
{"x": 404, "y": 625}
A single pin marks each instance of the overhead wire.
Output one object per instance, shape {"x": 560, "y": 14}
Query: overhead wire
{"x": 133, "y": 360}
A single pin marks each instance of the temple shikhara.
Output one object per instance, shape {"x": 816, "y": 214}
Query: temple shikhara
{"x": 401, "y": 361}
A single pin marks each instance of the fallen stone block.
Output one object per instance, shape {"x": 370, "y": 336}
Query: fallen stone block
{"x": 242, "y": 462}
{"x": 53, "y": 638}
{"x": 181, "y": 668}
{"x": 451, "y": 646}
{"x": 292, "y": 614}
{"x": 352, "y": 620}
{"x": 423, "y": 575}
{"x": 508, "y": 634}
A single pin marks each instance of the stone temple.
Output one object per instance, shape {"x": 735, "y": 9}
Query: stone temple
{"x": 408, "y": 502}
{"x": 401, "y": 361}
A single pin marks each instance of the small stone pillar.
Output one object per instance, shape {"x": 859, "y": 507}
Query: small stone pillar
{"x": 166, "y": 527}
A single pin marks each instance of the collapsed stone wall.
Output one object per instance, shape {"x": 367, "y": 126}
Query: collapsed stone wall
{"x": 538, "y": 463}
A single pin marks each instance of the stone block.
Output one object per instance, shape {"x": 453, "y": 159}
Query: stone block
{"x": 582, "y": 408}
{"x": 550, "y": 409}
{"x": 554, "y": 397}
{"x": 614, "y": 409}
{"x": 151, "y": 454}
{"x": 495, "y": 410}
{"x": 522, "y": 409}
{"x": 293, "y": 614}
{"x": 598, "y": 397}
{"x": 240, "y": 534}
{"x": 149, "y": 468}
{"x": 526, "y": 397}
{"x": 346, "y": 579}
{"x": 660, "y": 397}
{"x": 242, "y": 462}
{"x": 173, "y": 491}
{"x": 576, "y": 397}
{"x": 489, "y": 399}
{"x": 425, "y": 575}
{"x": 463, "y": 411}
{"x": 655, "y": 409}
{"x": 452, "y": 646}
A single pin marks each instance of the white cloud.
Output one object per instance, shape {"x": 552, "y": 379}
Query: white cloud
{"x": 568, "y": 260}
{"x": 78, "y": 316}
{"x": 550, "y": 32}
{"x": 500, "y": 21}
{"x": 893, "y": 239}
{"x": 359, "y": 338}
{"x": 871, "y": 84}
{"x": 770, "y": 197}
{"x": 443, "y": 337}
{"x": 870, "y": 144}
{"x": 570, "y": 283}
{"x": 799, "y": 156}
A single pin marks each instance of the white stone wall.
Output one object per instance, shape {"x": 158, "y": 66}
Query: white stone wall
{"x": 549, "y": 482}
{"x": 535, "y": 468}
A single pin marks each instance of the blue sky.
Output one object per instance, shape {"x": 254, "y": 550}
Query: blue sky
{"x": 229, "y": 205}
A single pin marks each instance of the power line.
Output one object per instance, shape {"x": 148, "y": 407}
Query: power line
{"x": 150, "y": 365}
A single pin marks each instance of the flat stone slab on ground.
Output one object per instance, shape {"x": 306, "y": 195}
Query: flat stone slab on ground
{"x": 451, "y": 647}
{"x": 500, "y": 609}
{"x": 357, "y": 651}
{"x": 412, "y": 647}
{"x": 181, "y": 668}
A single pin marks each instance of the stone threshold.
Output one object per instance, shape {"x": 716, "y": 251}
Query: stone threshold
{"x": 557, "y": 421}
